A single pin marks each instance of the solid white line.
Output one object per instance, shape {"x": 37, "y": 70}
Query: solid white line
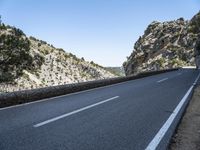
{"x": 162, "y": 80}
{"x": 161, "y": 133}
{"x": 73, "y": 112}
{"x": 195, "y": 82}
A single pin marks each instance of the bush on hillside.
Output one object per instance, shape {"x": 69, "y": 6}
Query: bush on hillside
{"x": 14, "y": 55}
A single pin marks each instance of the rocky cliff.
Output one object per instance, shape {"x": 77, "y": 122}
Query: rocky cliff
{"x": 27, "y": 63}
{"x": 165, "y": 45}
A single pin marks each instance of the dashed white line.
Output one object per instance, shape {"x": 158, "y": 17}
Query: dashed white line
{"x": 73, "y": 112}
{"x": 162, "y": 80}
{"x": 161, "y": 133}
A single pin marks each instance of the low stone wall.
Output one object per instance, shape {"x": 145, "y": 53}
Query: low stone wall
{"x": 19, "y": 97}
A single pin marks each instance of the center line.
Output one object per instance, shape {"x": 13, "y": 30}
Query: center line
{"x": 162, "y": 80}
{"x": 73, "y": 112}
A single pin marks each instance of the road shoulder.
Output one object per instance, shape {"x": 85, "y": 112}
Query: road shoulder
{"x": 187, "y": 136}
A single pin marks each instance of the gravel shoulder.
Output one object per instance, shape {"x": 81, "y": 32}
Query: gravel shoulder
{"x": 187, "y": 136}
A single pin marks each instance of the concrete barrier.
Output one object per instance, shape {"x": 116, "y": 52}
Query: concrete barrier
{"x": 19, "y": 97}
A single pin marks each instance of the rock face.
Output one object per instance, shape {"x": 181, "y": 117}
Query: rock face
{"x": 165, "y": 45}
{"x": 47, "y": 65}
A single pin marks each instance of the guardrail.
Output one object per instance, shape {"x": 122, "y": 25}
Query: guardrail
{"x": 19, "y": 97}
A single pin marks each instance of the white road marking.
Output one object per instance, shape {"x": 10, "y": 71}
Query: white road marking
{"x": 162, "y": 80}
{"x": 73, "y": 112}
{"x": 189, "y": 67}
{"x": 195, "y": 82}
{"x": 161, "y": 133}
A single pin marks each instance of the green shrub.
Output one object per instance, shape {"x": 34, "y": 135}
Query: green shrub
{"x": 2, "y": 26}
{"x": 43, "y": 42}
{"x": 18, "y": 32}
{"x": 39, "y": 44}
{"x": 161, "y": 61}
{"x": 82, "y": 58}
{"x": 14, "y": 56}
{"x": 46, "y": 52}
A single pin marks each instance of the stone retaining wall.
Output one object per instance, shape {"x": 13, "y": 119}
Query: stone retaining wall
{"x": 19, "y": 97}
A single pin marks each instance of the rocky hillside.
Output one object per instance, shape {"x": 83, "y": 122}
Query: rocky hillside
{"x": 119, "y": 71}
{"x": 28, "y": 63}
{"x": 165, "y": 45}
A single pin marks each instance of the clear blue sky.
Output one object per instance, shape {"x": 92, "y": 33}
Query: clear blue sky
{"x": 100, "y": 30}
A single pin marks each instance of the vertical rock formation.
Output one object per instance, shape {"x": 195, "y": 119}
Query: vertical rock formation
{"x": 165, "y": 45}
{"x": 197, "y": 53}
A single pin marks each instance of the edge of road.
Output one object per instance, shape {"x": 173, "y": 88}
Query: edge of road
{"x": 165, "y": 134}
{"x": 186, "y": 135}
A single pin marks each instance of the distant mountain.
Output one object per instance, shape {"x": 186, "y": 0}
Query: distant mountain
{"x": 165, "y": 45}
{"x": 28, "y": 63}
{"x": 119, "y": 71}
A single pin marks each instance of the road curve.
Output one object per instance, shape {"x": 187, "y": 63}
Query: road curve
{"x": 124, "y": 116}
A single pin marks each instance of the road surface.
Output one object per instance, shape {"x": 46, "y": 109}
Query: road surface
{"x": 138, "y": 114}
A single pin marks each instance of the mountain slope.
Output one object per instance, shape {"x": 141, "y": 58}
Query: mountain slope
{"x": 119, "y": 71}
{"x": 165, "y": 45}
{"x": 31, "y": 63}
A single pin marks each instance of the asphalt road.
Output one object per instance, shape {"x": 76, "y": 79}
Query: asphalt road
{"x": 124, "y": 116}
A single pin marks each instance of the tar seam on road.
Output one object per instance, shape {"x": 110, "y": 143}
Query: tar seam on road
{"x": 162, "y": 80}
{"x": 73, "y": 112}
{"x": 161, "y": 133}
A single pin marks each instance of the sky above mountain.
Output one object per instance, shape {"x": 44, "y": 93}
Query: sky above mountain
{"x": 100, "y": 30}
